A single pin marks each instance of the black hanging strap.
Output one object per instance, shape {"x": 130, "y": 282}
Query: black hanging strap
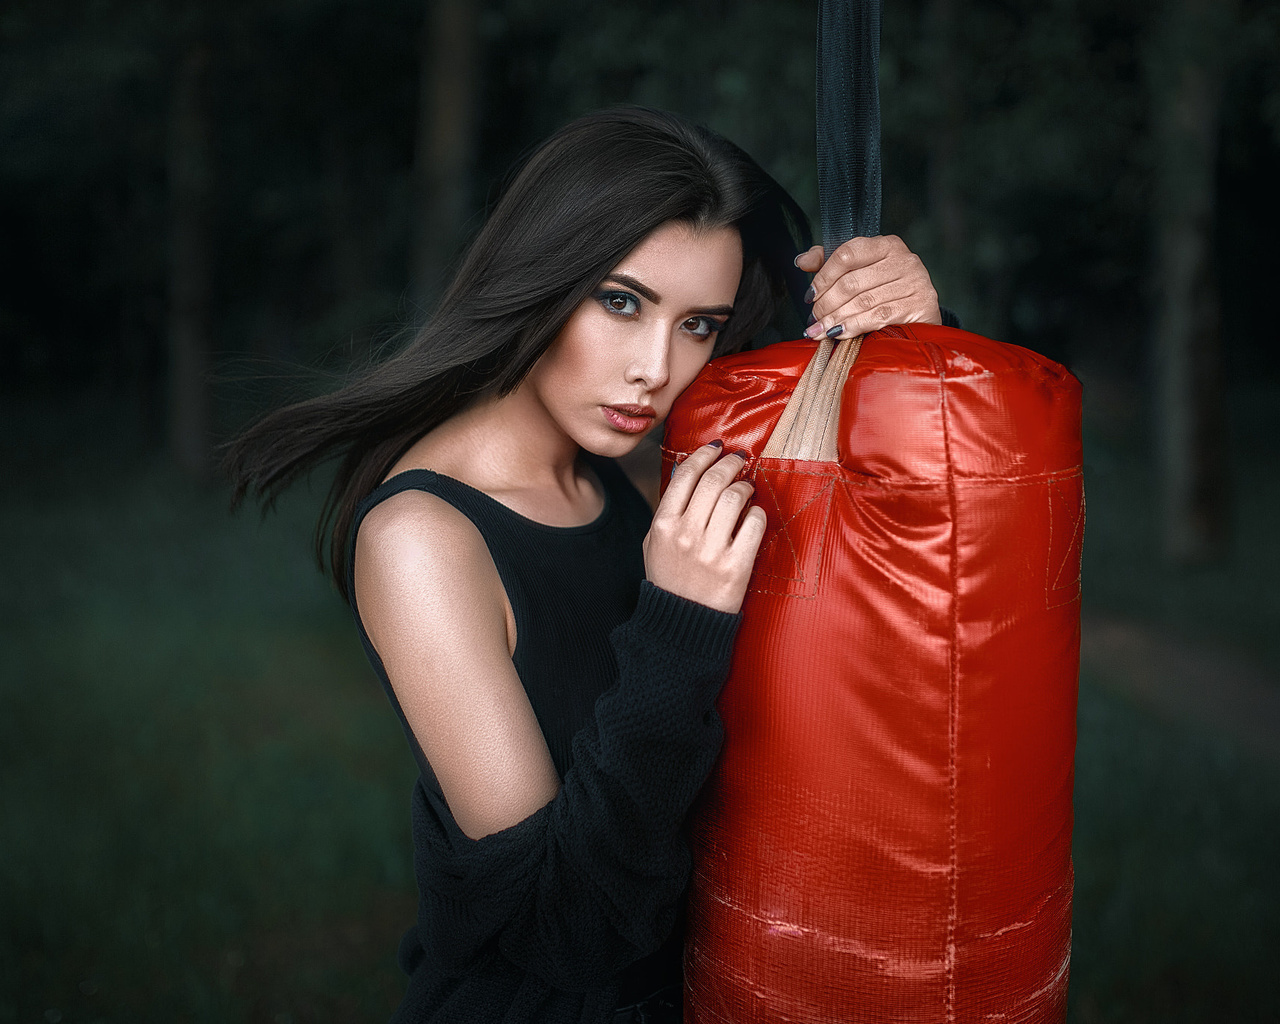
{"x": 848, "y": 119}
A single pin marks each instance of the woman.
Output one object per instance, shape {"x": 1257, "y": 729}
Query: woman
{"x": 552, "y": 646}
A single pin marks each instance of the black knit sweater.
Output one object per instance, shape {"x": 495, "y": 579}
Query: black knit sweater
{"x": 538, "y": 922}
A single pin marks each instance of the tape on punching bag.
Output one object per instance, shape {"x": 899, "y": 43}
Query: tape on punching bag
{"x": 887, "y": 833}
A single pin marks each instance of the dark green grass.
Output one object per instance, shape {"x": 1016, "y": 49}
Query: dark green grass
{"x": 204, "y": 794}
{"x": 1177, "y": 897}
{"x": 205, "y": 798}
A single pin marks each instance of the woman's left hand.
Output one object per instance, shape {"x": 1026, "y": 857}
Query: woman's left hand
{"x": 868, "y": 283}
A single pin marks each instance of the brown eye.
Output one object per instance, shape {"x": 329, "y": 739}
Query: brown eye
{"x": 620, "y": 303}
{"x": 702, "y": 326}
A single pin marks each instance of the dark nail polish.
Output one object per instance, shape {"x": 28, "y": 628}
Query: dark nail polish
{"x": 835, "y": 330}
{"x": 809, "y": 295}
{"x": 744, "y": 455}
{"x": 717, "y": 443}
{"x": 811, "y": 321}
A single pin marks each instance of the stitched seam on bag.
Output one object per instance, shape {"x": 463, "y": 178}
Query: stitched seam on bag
{"x": 782, "y": 528}
{"x": 1052, "y": 581}
{"x": 829, "y": 492}
{"x": 907, "y": 482}
{"x": 953, "y": 692}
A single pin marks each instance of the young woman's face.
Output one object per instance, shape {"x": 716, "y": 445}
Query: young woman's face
{"x": 627, "y": 352}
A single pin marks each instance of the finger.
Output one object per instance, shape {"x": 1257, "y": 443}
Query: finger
{"x": 868, "y": 311}
{"x": 746, "y": 543}
{"x": 854, "y": 255}
{"x": 727, "y": 512}
{"x": 904, "y": 273}
{"x": 810, "y": 261}
{"x": 684, "y": 479}
{"x": 714, "y": 480}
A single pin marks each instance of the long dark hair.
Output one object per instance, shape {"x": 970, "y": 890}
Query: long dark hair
{"x": 584, "y": 199}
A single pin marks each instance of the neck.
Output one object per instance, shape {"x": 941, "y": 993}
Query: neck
{"x": 503, "y": 445}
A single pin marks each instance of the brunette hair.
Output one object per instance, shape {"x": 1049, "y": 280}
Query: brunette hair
{"x": 582, "y": 200}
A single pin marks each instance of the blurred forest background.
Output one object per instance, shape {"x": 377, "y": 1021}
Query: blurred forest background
{"x": 208, "y": 208}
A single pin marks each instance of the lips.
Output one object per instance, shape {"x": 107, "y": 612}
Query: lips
{"x": 630, "y": 419}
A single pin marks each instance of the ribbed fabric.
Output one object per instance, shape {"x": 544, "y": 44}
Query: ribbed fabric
{"x": 545, "y": 921}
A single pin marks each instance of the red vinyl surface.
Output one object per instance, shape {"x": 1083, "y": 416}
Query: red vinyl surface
{"x": 887, "y": 834}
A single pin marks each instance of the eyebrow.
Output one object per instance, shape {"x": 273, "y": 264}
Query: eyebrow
{"x": 654, "y": 297}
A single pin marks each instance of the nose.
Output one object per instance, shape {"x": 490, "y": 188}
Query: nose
{"x": 650, "y": 359}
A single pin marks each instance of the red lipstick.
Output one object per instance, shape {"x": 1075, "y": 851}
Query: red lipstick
{"x": 630, "y": 419}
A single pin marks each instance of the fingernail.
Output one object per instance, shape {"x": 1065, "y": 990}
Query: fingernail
{"x": 812, "y": 320}
{"x": 814, "y": 330}
{"x": 717, "y": 443}
{"x": 743, "y": 454}
{"x": 796, "y": 261}
{"x": 835, "y": 330}
{"x": 809, "y": 295}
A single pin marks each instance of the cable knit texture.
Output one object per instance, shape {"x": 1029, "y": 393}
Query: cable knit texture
{"x": 538, "y": 922}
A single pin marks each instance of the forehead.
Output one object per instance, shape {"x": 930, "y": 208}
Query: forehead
{"x": 682, "y": 263}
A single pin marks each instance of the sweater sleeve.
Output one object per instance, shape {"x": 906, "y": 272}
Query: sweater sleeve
{"x": 592, "y": 881}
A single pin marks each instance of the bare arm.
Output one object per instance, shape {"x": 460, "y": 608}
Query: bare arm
{"x": 432, "y": 603}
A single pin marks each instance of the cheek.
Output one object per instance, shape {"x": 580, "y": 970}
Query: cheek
{"x": 574, "y": 359}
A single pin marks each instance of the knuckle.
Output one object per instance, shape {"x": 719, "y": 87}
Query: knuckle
{"x": 847, "y": 286}
{"x": 865, "y": 301}
{"x": 720, "y": 474}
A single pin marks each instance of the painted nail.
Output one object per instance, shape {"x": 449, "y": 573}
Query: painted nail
{"x": 743, "y": 454}
{"x": 811, "y": 321}
{"x": 717, "y": 443}
{"x": 835, "y": 330}
{"x": 809, "y": 295}
{"x": 796, "y": 261}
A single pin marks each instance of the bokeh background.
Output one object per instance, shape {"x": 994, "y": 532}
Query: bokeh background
{"x": 209, "y": 208}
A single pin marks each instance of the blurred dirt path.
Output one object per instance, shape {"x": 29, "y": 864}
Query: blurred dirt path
{"x": 1214, "y": 688}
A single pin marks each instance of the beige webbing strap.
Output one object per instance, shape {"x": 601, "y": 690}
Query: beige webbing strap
{"x": 808, "y": 427}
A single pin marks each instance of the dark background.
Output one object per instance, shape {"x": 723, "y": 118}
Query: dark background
{"x": 208, "y": 208}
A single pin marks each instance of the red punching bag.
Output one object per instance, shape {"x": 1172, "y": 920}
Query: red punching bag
{"x": 887, "y": 833}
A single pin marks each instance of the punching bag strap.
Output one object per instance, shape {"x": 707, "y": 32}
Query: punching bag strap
{"x": 848, "y": 86}
{"x": 848, "y": 83}
{"x": 810, "y": 421}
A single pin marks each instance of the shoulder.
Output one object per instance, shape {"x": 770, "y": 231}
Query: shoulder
{"x": 418, "y": 526}
{"x": 418, "y": 558}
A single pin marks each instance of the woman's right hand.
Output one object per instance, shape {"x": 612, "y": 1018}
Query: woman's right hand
{"x": 701, "y": 546}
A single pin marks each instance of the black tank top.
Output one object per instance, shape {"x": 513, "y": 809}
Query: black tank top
{"x": 569, "y": 586}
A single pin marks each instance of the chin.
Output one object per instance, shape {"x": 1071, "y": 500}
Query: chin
{"x": 614, "y": 444}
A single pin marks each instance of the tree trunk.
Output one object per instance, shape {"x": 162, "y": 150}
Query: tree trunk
{"x": 190, "y": 259}
{"x": 447, "y": 111}
{"x": 1187, "y": 71}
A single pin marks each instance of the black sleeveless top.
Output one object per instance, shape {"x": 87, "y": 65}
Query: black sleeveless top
{"x": 569, "y": 586}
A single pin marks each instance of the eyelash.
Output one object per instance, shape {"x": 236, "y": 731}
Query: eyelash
{"x": 709, "y": 326}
